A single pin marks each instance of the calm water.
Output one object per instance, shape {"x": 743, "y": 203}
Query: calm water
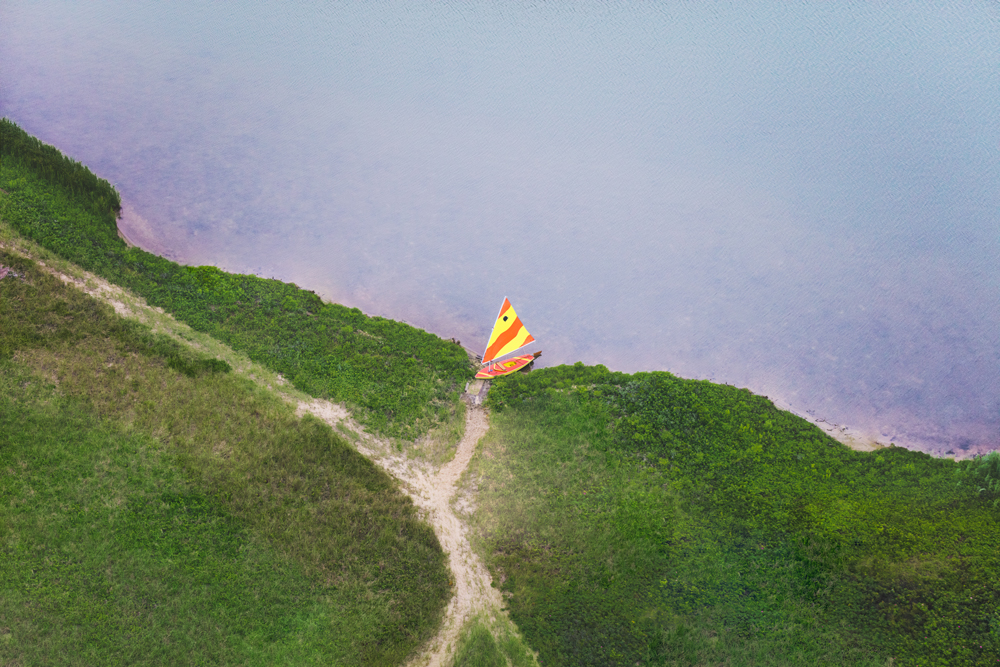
{"x": 804, "y": 201}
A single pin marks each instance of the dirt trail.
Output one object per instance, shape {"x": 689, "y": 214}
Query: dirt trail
{"x": 431, "y": 489}
{"x": 473, "y": 585}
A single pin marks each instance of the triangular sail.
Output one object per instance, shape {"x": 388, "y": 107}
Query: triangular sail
{"x": 508, "y": 334}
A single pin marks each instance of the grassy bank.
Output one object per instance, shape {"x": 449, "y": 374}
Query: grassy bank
{"x": 653, "y": 520}
{"x": 398, "y": 380}
{"x": 159, "y": 509}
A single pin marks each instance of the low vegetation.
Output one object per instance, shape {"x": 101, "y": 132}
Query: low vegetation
{"x": 87, "y": 191}
{"x": 159, "y": 509}
{"x": 486, "y": 643}
{"x": 653, "y": 520}
{"x": 398, "y": 380}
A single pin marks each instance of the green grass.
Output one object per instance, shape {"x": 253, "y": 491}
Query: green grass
{"x": 478, "y": 648}
{"x": 93, "y": 193}
{"x": 398, "y": 380}
{"x": 653, "y": 520}
{"x": 486, "y": 643}
{"x": 110, "y": 557}
{"x": 160, "y": 505}
{"x": 440, "y": 445}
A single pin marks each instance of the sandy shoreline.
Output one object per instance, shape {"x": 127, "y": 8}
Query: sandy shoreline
{"x": 137, "y": 232}
{"x": 852, "y": 437}
{"x": 911, "y": 434}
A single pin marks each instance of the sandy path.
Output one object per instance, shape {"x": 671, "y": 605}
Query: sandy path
{"x": 430, "y": 489}
{"x": 473, "y": 590}
{"x": 432, "y": 492}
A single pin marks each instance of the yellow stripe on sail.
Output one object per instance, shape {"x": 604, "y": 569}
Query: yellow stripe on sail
{"x": 521, "y": 339}
{"x": 501, "y": 325}
{"x": 508, "y": 334}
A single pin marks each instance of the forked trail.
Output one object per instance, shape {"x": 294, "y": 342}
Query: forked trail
{"x": 432, "y": 491}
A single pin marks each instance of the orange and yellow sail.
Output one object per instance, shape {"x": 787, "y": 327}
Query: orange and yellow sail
{"x": 508, "y": 334}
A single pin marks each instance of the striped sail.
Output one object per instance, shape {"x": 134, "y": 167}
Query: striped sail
{"x": 508, "y": 334}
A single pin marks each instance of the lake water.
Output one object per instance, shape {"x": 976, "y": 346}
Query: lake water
{"x": 800, "y": 200}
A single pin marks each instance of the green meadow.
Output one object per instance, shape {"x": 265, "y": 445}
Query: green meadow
{"x": 397, "y": 380}
{"x": 158, "y": 506}
{"x": 158, "y": 509}
{"x": 647, "y": 519}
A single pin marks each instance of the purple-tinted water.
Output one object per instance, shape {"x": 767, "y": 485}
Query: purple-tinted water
{"x": 801, "y": 200}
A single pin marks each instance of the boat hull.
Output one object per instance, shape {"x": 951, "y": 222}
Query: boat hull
{"x": 501, "y": 368}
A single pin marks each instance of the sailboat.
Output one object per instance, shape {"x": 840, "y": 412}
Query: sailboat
{"x": 508, "y": 335}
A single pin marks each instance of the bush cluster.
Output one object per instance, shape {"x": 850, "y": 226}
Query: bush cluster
{"x": 95, "y": 194}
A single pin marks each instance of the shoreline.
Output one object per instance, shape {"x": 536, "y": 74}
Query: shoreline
{"x": 136, "y": 232}
{"x": 935, "y": 445}
{"x": 852, "y": 437}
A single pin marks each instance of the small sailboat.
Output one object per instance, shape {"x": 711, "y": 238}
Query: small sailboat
{"x": 508, "y": 335}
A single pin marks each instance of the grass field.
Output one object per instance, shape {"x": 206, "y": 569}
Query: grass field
{"x": 652, "y": 520}
{"x": 485, "y": 643}
{"x": 158, "y": 509}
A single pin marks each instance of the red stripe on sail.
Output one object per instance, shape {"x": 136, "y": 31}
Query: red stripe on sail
{"x": 505, "y": 338}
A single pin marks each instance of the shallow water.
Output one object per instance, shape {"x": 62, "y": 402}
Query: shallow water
{"x": 804, "y": 201}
